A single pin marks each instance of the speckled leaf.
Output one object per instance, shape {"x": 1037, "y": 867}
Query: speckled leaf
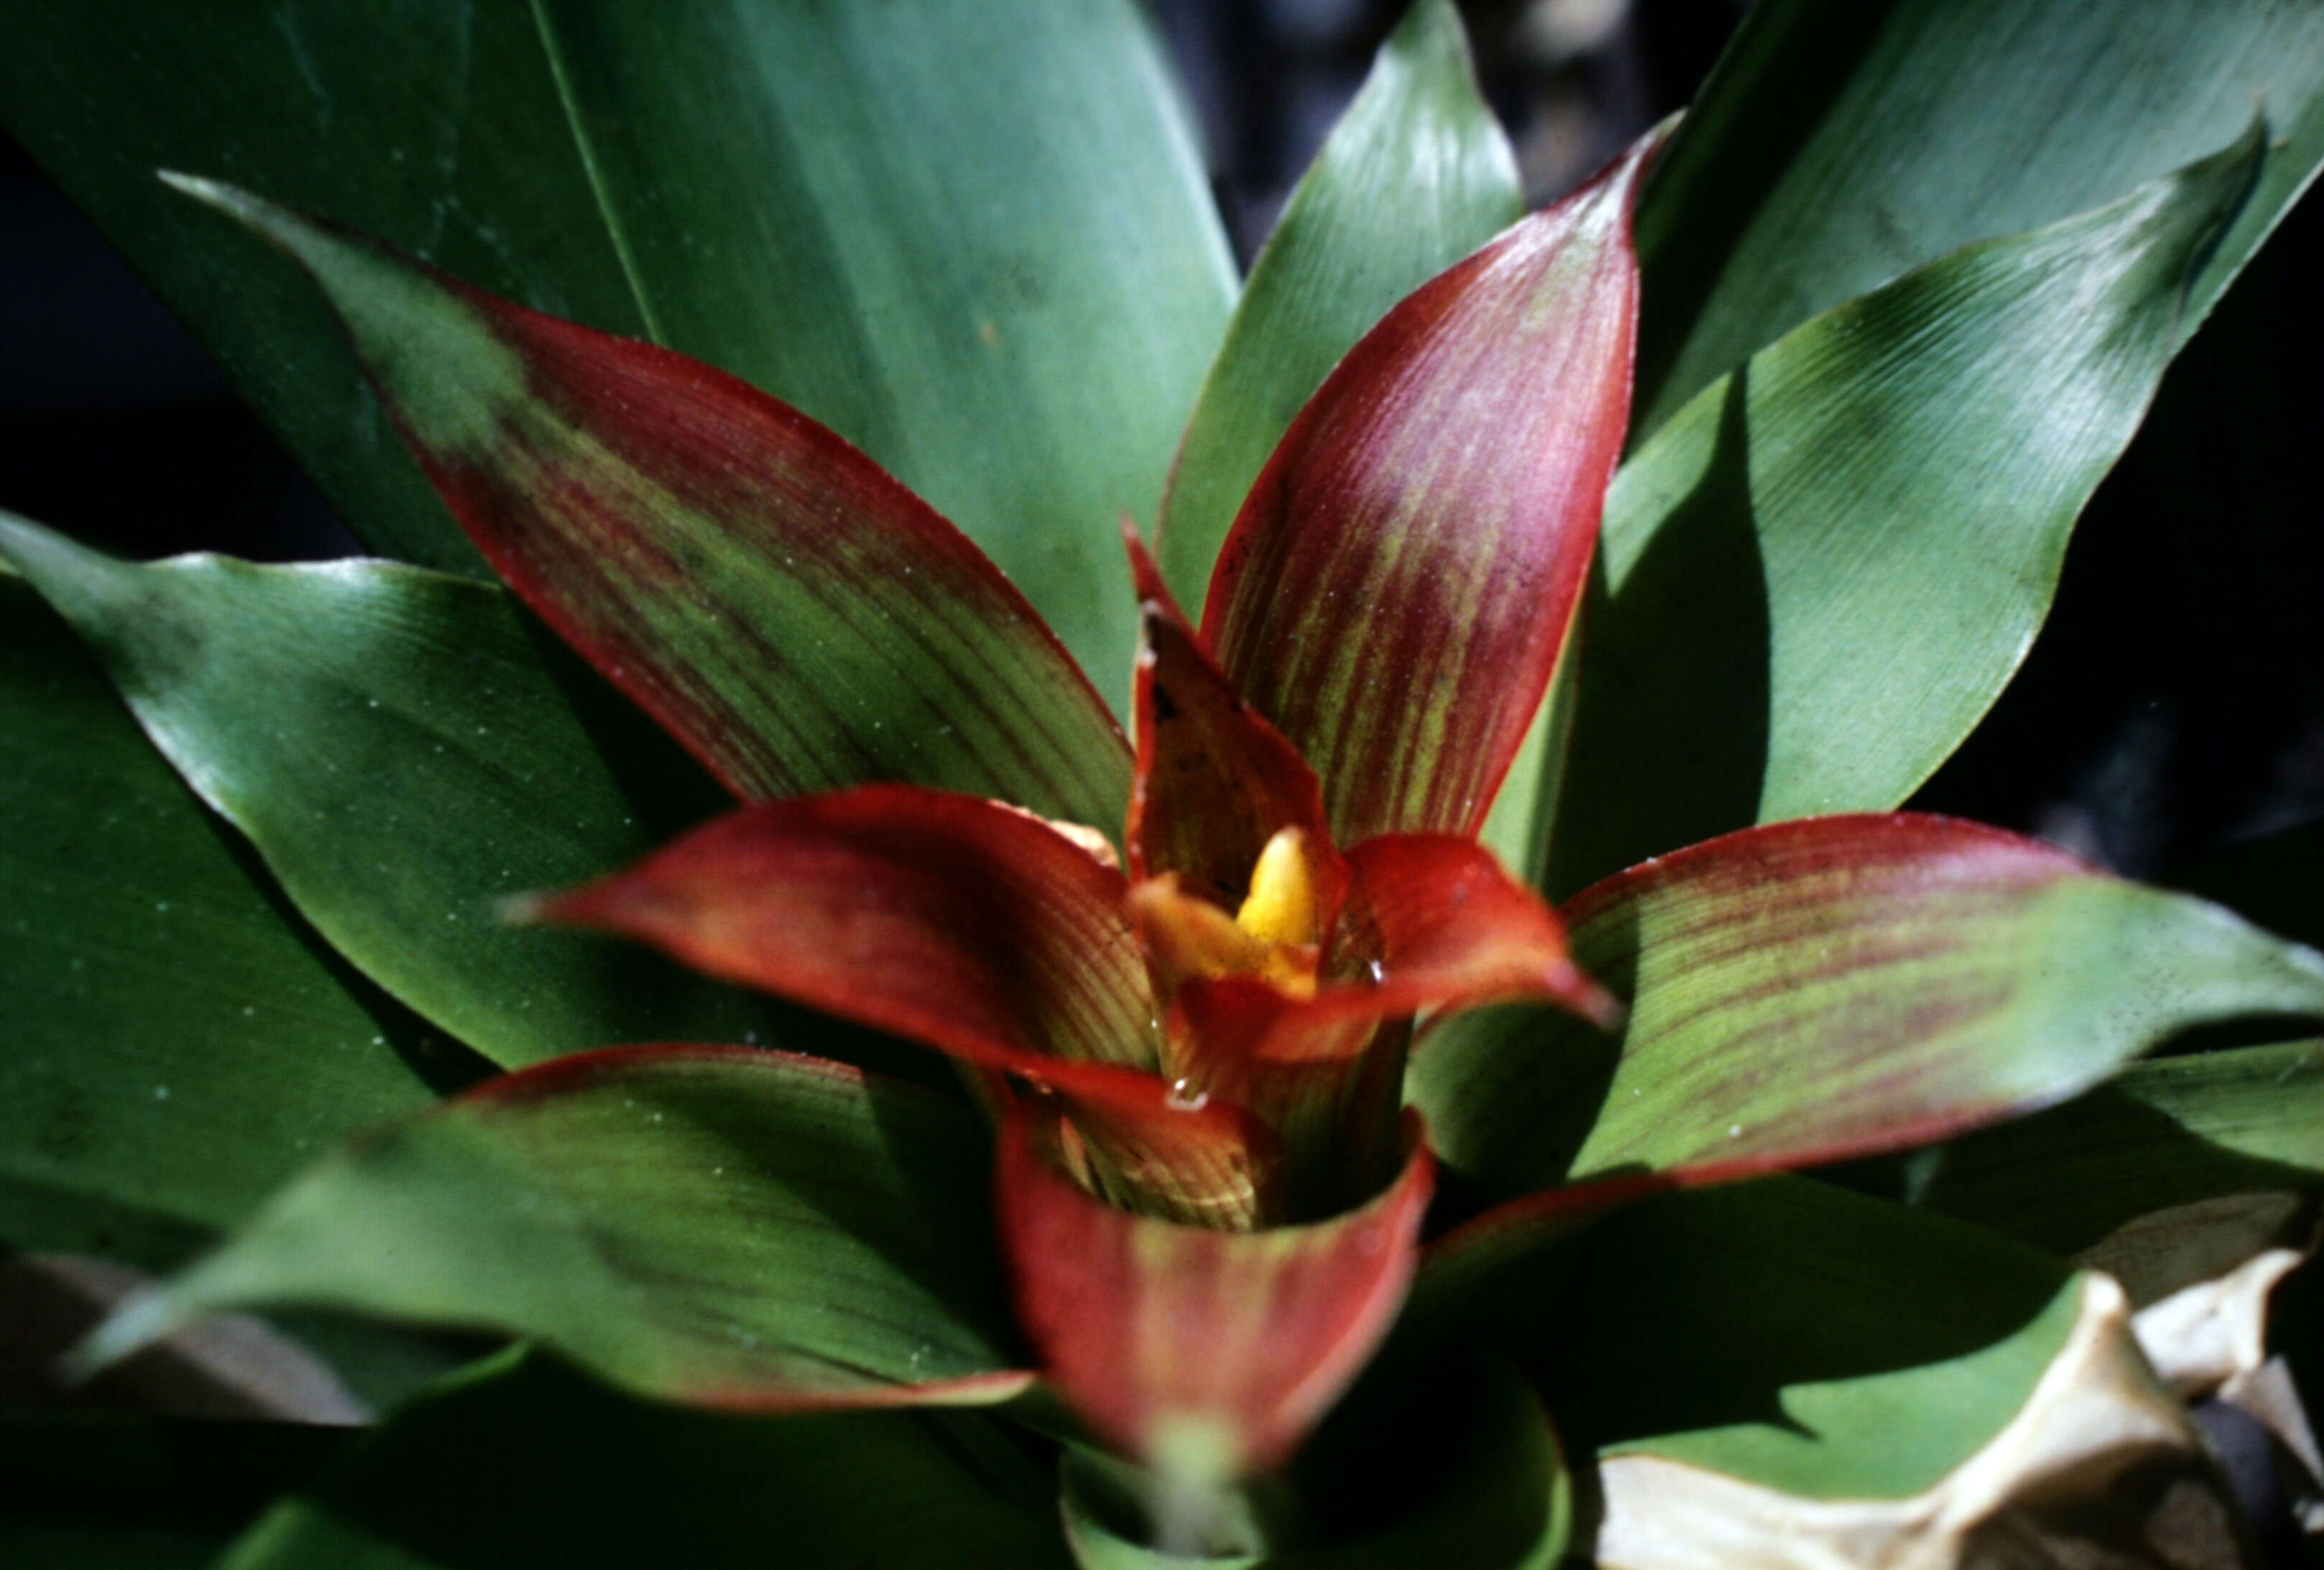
{"x": 1818, "y": 576}
{"x": 715, "y": 1225}
{"x": 401, "y": 753}
{"x": 791, "y": 613}
{"x": 1415, "y": 175}
{"x": 178, "y": 1044}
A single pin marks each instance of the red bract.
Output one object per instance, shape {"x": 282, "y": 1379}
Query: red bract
{"x": 1215, "y": 1039}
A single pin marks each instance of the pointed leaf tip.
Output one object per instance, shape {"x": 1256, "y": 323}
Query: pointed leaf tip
{"x": 791, "y": 613}
{"x": 1396, "y": 591}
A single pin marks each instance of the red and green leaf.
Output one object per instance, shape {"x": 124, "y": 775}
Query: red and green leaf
{"x": 1834, "y": 987}
{"x": 1207, "y": 1352}
{"x": 1214, "y": 781}
{"x": 717, "y": 1225}
{"x": 1396, "y": 588}
{"x": 969, "y": 926}
{"x": 790, "y": 612}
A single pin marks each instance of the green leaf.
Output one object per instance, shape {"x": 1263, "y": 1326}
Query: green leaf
{"x": 1487, "y": 1491}
{"x": 527, "y": 1467}
{"x": 1780, "y": 1333}
{"x": 715, "y": 1225}
{"x": 1415, "y": 175}
{"x": 178, "y": 1043}
{"x": 973, "y": 236}
{"x": 1835, "y": 987}
{"x": 1899, "y": 475}
{"x": 1840, "y": 144}
{"x": 396, "y": 745}
{"x": 2159, "y": 1135}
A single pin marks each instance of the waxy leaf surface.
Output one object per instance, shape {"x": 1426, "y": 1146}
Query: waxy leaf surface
{"x": 403, "y": 756}
{"x": 973, "y": 236}
{"x": 527, "y": 1466}
{"x": 1793, "y": 1323}
{"x": 1836, "y": 986}
{"x": 793, "y": 615}
{"x": 1209, "y": 1353}
{"x": 2170, "y": 1132}
{"x": 179, "y": 1044}
{"x": 1214, "y": 781}
{"x": 1415, "y": 175}
{"x": 1900, "y": 475}
{"x": 1396, "y": 588}
{"x": 1838, "y": 145}
{"x": 719, "y": 1225}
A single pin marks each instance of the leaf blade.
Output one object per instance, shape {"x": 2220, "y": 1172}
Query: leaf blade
{"x": 1398, "y": 586}
{"x": 721, "y": 1227}
{"x": 1902, "y": 473}
{"x": 1419, "y": 139}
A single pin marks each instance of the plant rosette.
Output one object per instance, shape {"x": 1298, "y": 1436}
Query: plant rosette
{"x": 1188, "y": 1187}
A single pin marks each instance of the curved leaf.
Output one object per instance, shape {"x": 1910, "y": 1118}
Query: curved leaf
{"x": 1847, "y": 1383}
{"x": 1789, "y": 1323}
{"x": 1900, "y": 475}
{"x": 1415, "y": 175}
{"x": 1398, "y": 586}
{"x": 178, "y": 1044}
{"x": 1833, "y": 987}
{"x": 396, "y": 748}
{"x": 715, "y": 1225}
{"x": 794, "y": 615}
{"x": 2171, "y": 1133}
{"x": 1207, "y": 1354}
{"x": 1838, "y": 144}
{"x": 526, "y": 1467}
{"x": 972, "y": 234}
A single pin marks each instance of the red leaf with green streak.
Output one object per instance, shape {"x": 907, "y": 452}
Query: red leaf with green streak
{"x": 1213, "y": 779}
{"x": 790, "y": 612}
{"x": 965, "y": 924}
{"x": 1833, "y": 987}
{"x": 1396, "y": 589}
{"x": 1206, "y": 1352}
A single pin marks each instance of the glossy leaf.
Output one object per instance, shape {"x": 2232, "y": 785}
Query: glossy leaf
{"x": 1789, "y": 1323}
{"x": 528, "y": 1467}
{"x": 959, "y": 922}
{"x": 972, "y": 234}
{"x": 1209, "y": 1353}
{"x": 1833, "y": 987}
{"x": 179, "y": 1043}
{"x": 1447, "y": 476}
{"x": 2171, "y": 1133}
{"x": 1899, "y": 474}
{"x": 1214, "y": 781}
{"x": 796, "y": 618}
{"x": 971, "y": 927}
{"x": 716, "y": 1225}
{"x": 1838, "y": 145}
{"x": 1849, "y": 1383}
{"x": 397, "y": 748}
{"x": 1487, "y": 1491}
{"x": 1415, "y": 175}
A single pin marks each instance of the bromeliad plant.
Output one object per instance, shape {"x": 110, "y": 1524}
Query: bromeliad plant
{"x": 1209, "y": 1070}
